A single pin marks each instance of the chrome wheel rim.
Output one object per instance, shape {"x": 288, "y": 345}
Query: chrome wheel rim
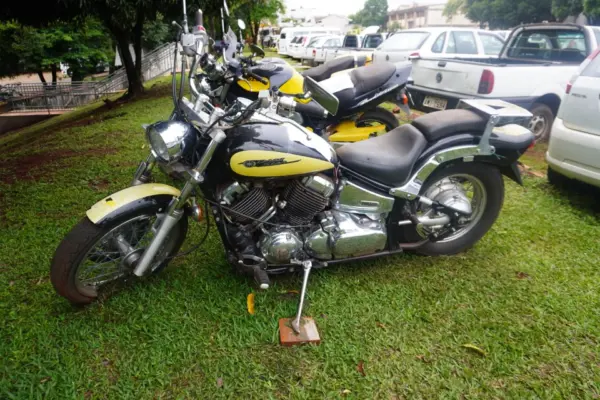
{"x": 113, "y": 256}
{"x": 537, "y": 125}
{"x": 475, "y": 191}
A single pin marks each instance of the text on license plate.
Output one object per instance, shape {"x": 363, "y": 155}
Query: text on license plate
{"x": 435, "y": 102}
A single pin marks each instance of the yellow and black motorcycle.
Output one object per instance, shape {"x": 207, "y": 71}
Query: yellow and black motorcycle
{"x": 364, "y": 88}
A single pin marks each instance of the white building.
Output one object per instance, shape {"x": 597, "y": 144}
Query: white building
{"x": 340, "y": 22}
{"x": 418, "y": 16}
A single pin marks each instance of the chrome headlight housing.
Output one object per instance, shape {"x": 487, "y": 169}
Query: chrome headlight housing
{"x": 171, "y": 140}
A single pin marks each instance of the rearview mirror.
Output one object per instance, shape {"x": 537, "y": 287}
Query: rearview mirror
{"x": 327, "y": 100}
{"x": 257, "y": 50}
{"x": 241, "y": 24}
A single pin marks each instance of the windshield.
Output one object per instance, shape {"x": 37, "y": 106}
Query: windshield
{"x": 317, "y": 42}
{"x": 404, "y": 41}
{"x": 558, "y": 45}
{"x": 231, "y": 40}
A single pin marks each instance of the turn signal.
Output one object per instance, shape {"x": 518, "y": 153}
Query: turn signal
{"x": 197, "y": 213}
{"x": 404, "y": 99}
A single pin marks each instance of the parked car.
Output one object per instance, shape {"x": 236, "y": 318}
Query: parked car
{"x": 574, "y": 149}
{"x": 445, "y": 42}
{"x": 531, "y": 71}
{"x": 295, "y": 49}
{"x": 318, "y": 46}
{"x": 285, "y": 37}
{"x": 354, "y": 45}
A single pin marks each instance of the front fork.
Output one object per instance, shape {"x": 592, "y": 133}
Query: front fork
{"x": 143, "y": 174}
{"x": 176, "y": 207}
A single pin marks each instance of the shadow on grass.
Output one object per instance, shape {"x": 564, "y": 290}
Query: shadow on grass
{"x": 580, "y": 195}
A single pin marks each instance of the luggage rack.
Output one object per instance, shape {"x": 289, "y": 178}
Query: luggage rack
{"x": 499, "y": 113}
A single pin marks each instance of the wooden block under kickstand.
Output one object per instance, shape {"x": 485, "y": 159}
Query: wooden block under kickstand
{"x": 308, "y": 332}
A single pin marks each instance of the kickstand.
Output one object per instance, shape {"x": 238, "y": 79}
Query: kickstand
{"x": 296, "y": 322}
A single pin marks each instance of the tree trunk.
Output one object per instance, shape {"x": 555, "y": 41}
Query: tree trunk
{"x": 41, "y": 75}
{"x": 54, "y": 70}
{"x": 137, "y": 46}
{"x": 135, "y": 81}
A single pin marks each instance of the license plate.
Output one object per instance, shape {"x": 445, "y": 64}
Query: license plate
{"x": 435, "y": 102}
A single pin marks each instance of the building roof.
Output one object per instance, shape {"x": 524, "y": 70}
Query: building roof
{"x": 415, "y": 7}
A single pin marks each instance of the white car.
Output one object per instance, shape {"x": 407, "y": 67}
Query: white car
{"x": 446, "y": 42}
{"x": 574, "y": 149}
{"x": 315, "y": 51}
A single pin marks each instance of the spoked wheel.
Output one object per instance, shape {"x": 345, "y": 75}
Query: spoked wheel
{"x": 92, "y": 259}
{"x": 377, "y": 117}
{"x": 475, "y": 188}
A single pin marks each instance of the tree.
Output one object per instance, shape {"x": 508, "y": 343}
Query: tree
{"x": 562, "y": 9}
{"x": 255, "y": 12}
{"x": 374, "y": 12}
{"x": 395, "y": 26}
{"x": 82, "y": 44}
{"x": 502, "y": 14}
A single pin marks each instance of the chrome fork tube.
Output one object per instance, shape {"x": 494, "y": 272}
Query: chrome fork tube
{"x": 175, "y": 211}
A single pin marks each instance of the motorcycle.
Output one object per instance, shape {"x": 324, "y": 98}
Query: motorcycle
{"x": 359, "y": 116}
{"x": 284, "y": 200}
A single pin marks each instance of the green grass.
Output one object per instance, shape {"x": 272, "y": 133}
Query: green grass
{"x": 527, "y": 295}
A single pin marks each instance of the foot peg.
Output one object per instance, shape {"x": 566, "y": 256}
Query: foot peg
{"x": 262, "y": 278}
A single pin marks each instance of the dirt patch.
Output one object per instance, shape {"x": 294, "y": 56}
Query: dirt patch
{"x": 98, "y": 184}
{"x": 35, "y": 166}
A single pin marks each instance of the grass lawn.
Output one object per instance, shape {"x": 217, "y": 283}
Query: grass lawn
{"x": 527, "y": 296}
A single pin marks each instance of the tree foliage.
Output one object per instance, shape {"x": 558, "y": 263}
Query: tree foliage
{"x": 253, "y": 13}
{"x": 503, "y": 14}
{"x": 374, "y": 12}
{"x": 81, "y": 44}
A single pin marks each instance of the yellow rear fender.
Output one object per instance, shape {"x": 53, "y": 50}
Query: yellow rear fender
{"x": 114, "y": 207}
{"x": 347, "y": 131}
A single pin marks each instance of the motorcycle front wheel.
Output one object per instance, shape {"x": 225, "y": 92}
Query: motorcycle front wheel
{"x": 93, "y": 258}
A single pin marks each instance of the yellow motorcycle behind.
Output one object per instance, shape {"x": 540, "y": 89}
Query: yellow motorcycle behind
{"x": 363, "y": 88}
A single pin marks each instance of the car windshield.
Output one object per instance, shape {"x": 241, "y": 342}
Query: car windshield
{"x": 317, "y": 42}
{"x": 404, "y": 41}
{"x": 558, "y": 45}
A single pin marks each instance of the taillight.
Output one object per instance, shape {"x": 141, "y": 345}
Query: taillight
{"x": 569, "y": 87}
{"x": 414, "y": 55}
{"x": 486, "y": 83}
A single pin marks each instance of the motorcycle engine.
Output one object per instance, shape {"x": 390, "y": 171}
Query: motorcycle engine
{"x": 293, "y": 230}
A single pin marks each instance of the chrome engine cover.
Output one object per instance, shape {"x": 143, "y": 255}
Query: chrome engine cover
{"x": 353, "y": 198}
{"x": 343, "y": 235}
{"x": 280, "y": 246}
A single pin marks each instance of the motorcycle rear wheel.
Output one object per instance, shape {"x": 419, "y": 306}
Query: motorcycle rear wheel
{"x": 92, "y": 258}
{"x": 378, "y": 115}
{"x": 486, "y": 201}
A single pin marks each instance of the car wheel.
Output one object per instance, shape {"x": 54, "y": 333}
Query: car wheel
{"x": 541, "y": 122}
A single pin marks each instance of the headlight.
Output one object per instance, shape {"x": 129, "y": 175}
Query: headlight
{"x": 171, "y": 140}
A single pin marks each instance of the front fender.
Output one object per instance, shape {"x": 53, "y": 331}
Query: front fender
{"x": 113, "y": 206}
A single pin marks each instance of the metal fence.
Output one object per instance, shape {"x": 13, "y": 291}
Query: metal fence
{"x": 40, "y": 97}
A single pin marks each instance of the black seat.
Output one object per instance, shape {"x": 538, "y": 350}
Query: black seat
{"x": 329, "y": 68}
{"x": 370, "y": 77}
{"x": 388, "y": 158}
{"x": 440, "y": 124}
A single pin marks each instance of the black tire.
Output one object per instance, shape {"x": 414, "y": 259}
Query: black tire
{"x": 381, "y": 115}
{"x": 81, "y": 239}
{"x": 544, "y": 117}
{"x": 492, "y": 181}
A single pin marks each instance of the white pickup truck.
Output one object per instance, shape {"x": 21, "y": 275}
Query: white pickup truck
{"x": 532, "y": 71}
{"x": 363, "y": 44}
